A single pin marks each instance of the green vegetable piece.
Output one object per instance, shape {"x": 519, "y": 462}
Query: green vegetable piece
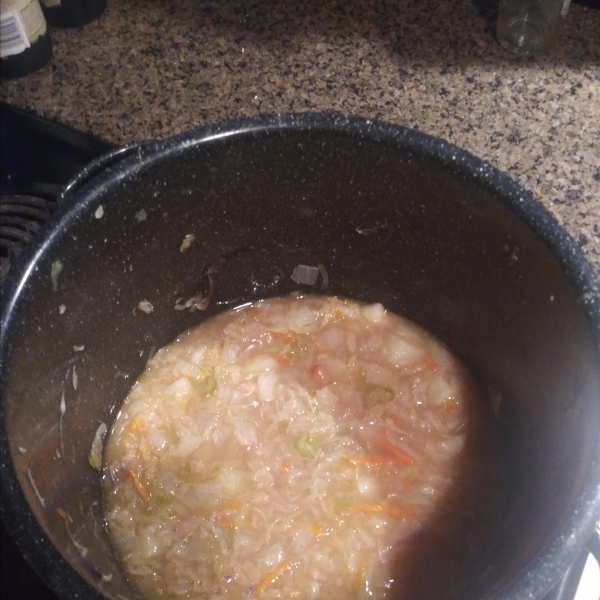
{"x": 55, "y": 271}
{"x": 206, "y": 386}
{"x": 189, "y": 474}
{"x": 96, "y": 461}
{"x": 95, "y": 457}
{"x": 185, "y": 473}
{"x": 306, "y": 446}
{"x": 341, "y": 502}
{"x": 161, "y": 498}
{"x": 378, "y": 394}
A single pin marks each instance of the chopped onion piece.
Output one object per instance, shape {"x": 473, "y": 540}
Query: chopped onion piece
{"x": 401, "y": 352}
{"x": 188, "y": 240}
{"x": 324, "y": 276}
{"x": 146, "y": 306}
{"x": 55, "y": 270}
{"x": 305, "y": 275}
{"x": 373, "y": 312}
{"x": 140, "y": 215}
{"x": 96, "y": 451}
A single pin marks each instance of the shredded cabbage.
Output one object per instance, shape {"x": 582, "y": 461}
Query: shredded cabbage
{"x": 292, "y": 449}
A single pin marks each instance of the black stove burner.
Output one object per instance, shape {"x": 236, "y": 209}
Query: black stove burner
{"x": 38, "y": 159}
{"x": 21, "y": 217}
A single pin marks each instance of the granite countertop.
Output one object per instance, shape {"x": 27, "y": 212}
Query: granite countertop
{"x": 152, "y": 68}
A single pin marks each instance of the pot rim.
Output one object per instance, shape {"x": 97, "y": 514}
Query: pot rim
{"x": 535, "y": 578}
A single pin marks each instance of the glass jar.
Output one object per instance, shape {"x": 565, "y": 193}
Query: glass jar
{"x": 530, "y": 26}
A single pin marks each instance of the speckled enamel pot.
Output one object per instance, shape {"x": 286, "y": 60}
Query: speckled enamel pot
{"x": 397, "y": 217}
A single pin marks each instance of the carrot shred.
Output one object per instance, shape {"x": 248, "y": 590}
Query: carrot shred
{"x": 430, "y": 363}
{"x": 230, "y": 505}
{"x": 389, "y": 453}
{"x": 136, "y": 426}
{"x": 286, "y": 465}
{"x": 360, "y": 580}
{"x": 271, "y": 578}
{"x": 382, "y": 509}
{"x": 398, "y": 455}
{"x": 230, "y": 522}
{"x": 317, "y": 530}
{"x": 142, "y": 492}
{"x": 450, "y": 408}
{"x": 227, "y": 523}
{"x": 282, "y": 361}
{"x": 284, "y": 336}
{"x": 338, "y": 314}
{"x": 221, "y": 513}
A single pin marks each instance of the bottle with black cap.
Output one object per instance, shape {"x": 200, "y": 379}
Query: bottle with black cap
{"x": 25, "y": 43}
{"x": 72, "y": 13}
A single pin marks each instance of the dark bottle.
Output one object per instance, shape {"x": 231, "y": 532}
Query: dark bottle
{"x": 72, "y": 13}
{"x": 25, "y": 43}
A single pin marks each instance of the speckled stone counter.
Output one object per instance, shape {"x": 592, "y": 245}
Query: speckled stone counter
{"x": 153, "y": 68}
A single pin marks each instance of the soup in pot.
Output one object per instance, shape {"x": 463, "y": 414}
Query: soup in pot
{"x": 308, "y": 448}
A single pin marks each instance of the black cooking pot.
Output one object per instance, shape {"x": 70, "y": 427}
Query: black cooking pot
{"x": 395, "y": 216}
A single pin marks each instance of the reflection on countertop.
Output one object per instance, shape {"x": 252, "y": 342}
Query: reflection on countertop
{"x": 152, "y": 68}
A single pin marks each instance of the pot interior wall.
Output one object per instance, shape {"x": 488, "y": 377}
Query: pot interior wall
{"x": 389, "y": 226}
